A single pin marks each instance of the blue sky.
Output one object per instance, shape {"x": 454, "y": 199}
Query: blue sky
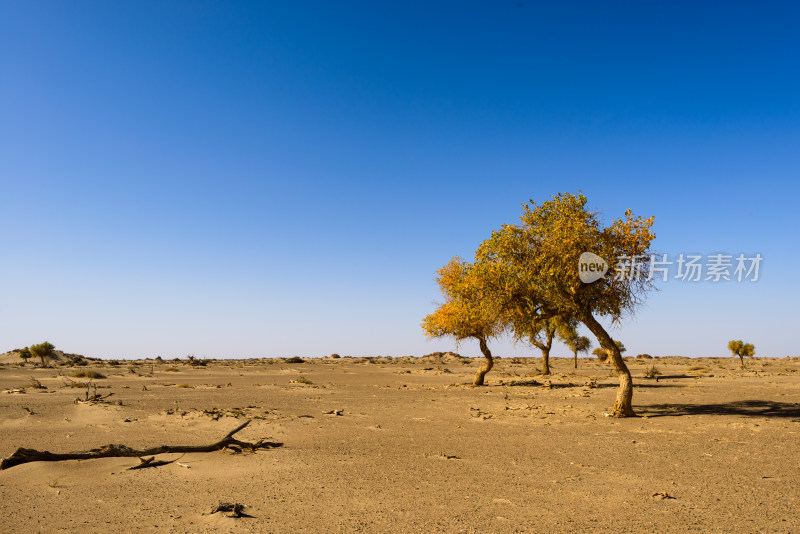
{"x": 284, "y": 178}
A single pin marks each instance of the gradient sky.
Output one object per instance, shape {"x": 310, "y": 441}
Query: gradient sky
{"x": 284, "y": 178}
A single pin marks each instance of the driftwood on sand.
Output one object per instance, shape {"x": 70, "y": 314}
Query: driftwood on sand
{"x": 22, "y": 456}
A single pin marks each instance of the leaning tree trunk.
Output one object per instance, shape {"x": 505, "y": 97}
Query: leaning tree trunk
{"x": 623, "y": 407}
{"x": 487, "y": 366}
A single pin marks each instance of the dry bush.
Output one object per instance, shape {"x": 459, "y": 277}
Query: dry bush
{"x": 184, "y": 386}
{"x": 87, "y": 373}
{"x": 304, "y": 380}
{"x": 294, "y": 359}
{"x": 34, "y": 384}
{"x": 652, "y": 372}
{"x": 171, "y": 369}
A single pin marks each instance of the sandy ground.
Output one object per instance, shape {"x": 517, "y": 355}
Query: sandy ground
{"x": 413, "y": 449}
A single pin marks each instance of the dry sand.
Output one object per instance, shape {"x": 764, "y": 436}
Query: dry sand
{"x": 413, "y": 449}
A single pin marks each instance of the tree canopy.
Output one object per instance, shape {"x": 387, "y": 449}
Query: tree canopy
{"x": 470, "y": 309}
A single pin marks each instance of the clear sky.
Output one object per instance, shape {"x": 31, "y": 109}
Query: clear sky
{"x": 284, "y": 178}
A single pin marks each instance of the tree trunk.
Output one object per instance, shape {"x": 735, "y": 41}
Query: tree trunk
{"x": 487, "y": 366}
{"x": 546, "y": 361}
{"x": 575, "y": 358}
{"x": 623, "y": 407}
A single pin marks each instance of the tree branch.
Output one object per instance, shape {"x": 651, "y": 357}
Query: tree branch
{"x": 22, "y": 455}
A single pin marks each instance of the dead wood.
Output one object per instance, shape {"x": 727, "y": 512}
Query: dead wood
{"x": 22, "y": 455}
{"x": 236, "y": 509}
{"x": 152, "y": 462}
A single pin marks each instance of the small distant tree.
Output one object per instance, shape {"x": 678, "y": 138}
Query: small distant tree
{"x": 578, "y": 344}
{"x": 470, "y": 309}
{"x": 568, "y": 332}
{"x": 741, "y": 349}
{"x": 620, "y": 346}
{"x": 540, "y": 334}
{"x": 43, "y": 351}
{"x": 25, "y": 354}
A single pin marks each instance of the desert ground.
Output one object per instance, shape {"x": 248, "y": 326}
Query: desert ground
{"x": 406, "y": 445}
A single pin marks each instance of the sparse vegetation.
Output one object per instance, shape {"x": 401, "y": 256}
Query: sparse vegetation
{"x": 87, "y": 373}
{"x": 652, "y": 372}
{"x": 304, "y": 380}
{"x": 43, "y": 351}
{"x": 295, "y": 359}
{"x": 171, "y": 369}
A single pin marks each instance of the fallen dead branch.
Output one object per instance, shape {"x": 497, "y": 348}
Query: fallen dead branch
{"x": 93, "y": 397}
{"x": 22, "y": 455}
{"x": 236, "y": 509}
{"x": 152, "y": 462}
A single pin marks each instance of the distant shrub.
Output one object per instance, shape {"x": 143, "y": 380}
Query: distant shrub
{"x": 295, "y": 359}
{"x": 304, "y": 380}
{"x": 601, "y": 354}
{"x": 643, "y": 357}
{"x": 184, "y": 386}
{"x": 335, "y": 356}
{"x": 652, "y": 372}
{"x": 194, "y": 362}
{"x": 34, "y": 384}
{"x": 87, "y": 373}
{"x": 113, "y": 363}
{"x": 171, "y": 369}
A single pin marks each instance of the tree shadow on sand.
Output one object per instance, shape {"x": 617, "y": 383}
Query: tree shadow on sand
{"x": 753, "y": 408}
{"x": 555, "y": 385}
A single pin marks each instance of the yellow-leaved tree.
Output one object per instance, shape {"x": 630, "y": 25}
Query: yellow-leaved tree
{"x": 470, "y": 309}
{"x": 539, "y": 261}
